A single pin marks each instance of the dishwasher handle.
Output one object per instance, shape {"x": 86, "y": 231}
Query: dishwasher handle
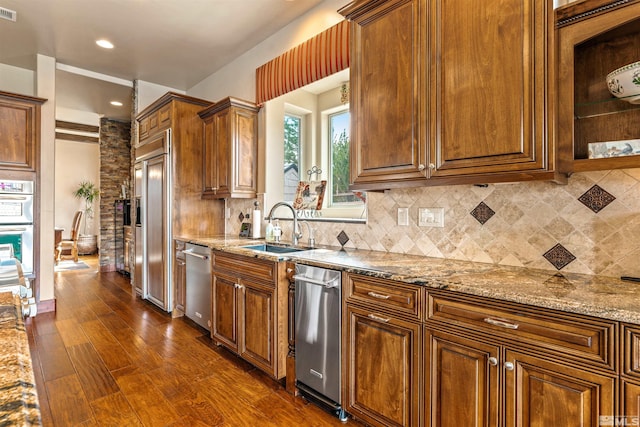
{"x": 332, "y": 283}
{"x": 194, "y": 254}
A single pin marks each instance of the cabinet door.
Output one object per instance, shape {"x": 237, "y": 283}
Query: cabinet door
{"x": 461, "y": 381}
{"x": 225, "y": 311}
{"x": 488, "y": 73}
{"x": 210, "y": 157}
{"x": 223, "y": 153}
{"x": 258, "y": 317}
{"x": 383, "y": 368}
{"x": 180, "y": 277}
{"x": 541, "y": 393}
{"x": 630, "y": 402}
{"x": 19, "y": 133}
{"x": 242, "y": 154}
{"x": 387, "y": 124}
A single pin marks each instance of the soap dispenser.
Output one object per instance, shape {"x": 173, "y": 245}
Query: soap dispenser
{"x": 268, "y": 232}
{"x": 277, "y": 231}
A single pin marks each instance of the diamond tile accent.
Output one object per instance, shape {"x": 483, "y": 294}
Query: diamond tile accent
{"x": 241, "y": 217}
{"x": 343, "y": 238}
{"x": 596, "y": 198}
{"x": 482, "y": 213}
{"x": 559, "y": 256}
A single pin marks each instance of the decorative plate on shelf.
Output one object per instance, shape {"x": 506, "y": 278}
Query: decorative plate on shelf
{"x": 309, "y": 195}
{"x": 624, "y": 83}
{"x": 604, "y": 150}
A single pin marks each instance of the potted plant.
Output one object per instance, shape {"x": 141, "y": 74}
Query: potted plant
{"x": 87, "y": 191}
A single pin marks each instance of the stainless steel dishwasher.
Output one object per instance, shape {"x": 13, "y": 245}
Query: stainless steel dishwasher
{"x": 198, "y": 286}
{"x": 317, "y": 332}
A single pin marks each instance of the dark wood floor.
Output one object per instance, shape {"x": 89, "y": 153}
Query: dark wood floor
{"x": 107, "y": 358}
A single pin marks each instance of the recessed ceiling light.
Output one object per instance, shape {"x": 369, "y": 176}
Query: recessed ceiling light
{"x": 116, "y": 103}
{"x": 104, "y": 43}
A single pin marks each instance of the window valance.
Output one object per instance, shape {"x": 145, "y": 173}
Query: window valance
{"x": 323, "y": 55}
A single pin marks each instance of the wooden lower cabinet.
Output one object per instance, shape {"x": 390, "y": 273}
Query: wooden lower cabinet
{"x": 224, "y": 298}
{"x": 249, "y": 310}
{"x": 258, "y": 308}
{"x": 384, "y": 358}
{"x": 543, "y": 393}
{"x": 630, "y": 402}
{"x": 180, "y": 278}
{"x": 461, "y": 381}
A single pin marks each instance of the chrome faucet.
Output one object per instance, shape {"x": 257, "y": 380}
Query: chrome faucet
{"x": 295, "y": 235}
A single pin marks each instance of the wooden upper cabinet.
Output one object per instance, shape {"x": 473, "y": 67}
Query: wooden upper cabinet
{"x": 19, "y": 131}
{"x": 230, "y": 149}
{"x": 489, "y": 85}
{"x": 452, "y": 92}
{"x": 388, "y": 143}
{"x": 596, "y": 37}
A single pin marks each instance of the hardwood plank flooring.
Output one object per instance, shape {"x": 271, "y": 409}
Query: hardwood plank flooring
{"x": 108, "y": 358}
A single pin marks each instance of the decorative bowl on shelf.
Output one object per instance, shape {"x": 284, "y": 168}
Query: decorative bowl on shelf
{"x": 624, "y": 83}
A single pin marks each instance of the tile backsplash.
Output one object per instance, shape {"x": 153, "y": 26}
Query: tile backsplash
{"x": 591, "y": 225}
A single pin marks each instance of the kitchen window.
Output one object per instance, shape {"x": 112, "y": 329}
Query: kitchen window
{"x": 292, "y": 142}
{"x": 338, "y": 143}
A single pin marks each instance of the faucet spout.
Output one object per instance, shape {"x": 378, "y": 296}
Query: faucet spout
{"x": 295, "y": 235}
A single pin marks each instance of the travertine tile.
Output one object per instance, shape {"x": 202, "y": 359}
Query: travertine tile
{"x": 529, "y": 219}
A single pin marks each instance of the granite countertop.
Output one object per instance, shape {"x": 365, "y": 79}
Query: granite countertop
{"x": 18, "y": 396}
{"x": 599, "y": 296}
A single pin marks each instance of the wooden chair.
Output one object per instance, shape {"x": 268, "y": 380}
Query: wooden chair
{"x": 70, "y": 245}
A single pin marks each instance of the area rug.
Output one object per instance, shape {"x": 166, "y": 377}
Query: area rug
{"x": 67, "y": 265}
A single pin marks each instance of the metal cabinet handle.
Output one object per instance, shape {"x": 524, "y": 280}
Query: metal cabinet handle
{"x": 379, "y": 296}
{"x": 193, "y": 254}
{"x": 378, "y": 318}
{"x": 501, "y": 323}
{"x": 493, "y": 361}
{"x": 421, "y": 167}
{"x": 238, "y": 286}
{"x": 432, "y": 166}
{"x": 508, "y": 366}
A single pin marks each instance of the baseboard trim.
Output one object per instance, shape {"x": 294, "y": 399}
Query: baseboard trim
{"x": 47, "y": 306}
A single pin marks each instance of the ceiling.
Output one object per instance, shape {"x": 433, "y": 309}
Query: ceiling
{"x": 175, "y": 43}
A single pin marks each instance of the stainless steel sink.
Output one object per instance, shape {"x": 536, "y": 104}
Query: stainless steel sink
{"x": 277, "y": 249}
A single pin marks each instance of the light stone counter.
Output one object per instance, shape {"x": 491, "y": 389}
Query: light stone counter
{"x": 600, "y": 296}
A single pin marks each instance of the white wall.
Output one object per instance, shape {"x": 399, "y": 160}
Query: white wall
{"x": 75, "y": 162}
{"x": 17, "y": 80}
{"x": 238, "y": 78}
{"x": 46, "y": 88}
{"x": 150, "y": 92}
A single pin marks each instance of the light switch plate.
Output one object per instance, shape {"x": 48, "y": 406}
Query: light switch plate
{"x": 431, "y": 217}
{"x": 403, "y": 216}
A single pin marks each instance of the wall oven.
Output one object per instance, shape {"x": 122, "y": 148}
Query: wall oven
{"x": 16, "y": 220}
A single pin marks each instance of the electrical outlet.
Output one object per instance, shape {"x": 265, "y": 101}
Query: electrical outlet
{"x": 403, "y": 216}
{"x": 431, "y": 217}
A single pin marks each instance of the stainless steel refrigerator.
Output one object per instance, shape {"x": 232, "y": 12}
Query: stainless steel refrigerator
{"x": 152, "y": 172}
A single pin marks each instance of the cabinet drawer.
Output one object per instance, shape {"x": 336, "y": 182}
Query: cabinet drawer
{"x": 398, "y": 297}
{"x": 631, "y": 350}
{"x": 242, "y": 266}
{"x": 587, "y": 340}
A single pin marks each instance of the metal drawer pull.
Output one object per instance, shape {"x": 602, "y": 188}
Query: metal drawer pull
{"x": 493, "y": 361}
{"x": 191, "y": 253}
{"x": 501, "y": 323}
{"x": 378, "y": 318}
{"x": 508, "y": 366}
{"x": 379, "y": 296}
